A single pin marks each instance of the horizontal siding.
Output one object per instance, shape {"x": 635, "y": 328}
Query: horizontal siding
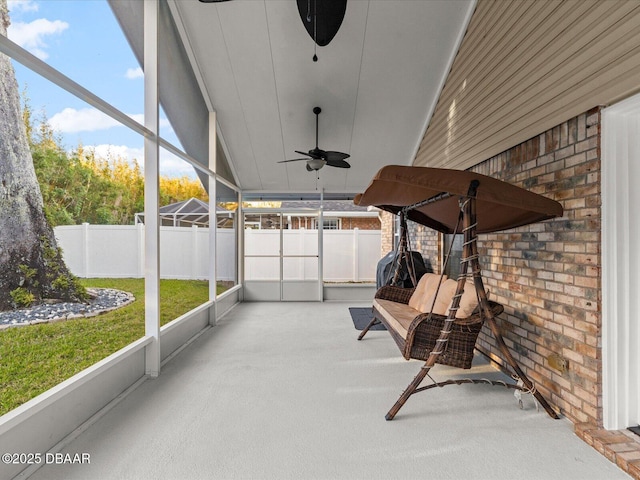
{"x": 526, "y": 66}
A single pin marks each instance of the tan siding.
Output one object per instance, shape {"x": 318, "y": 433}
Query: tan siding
{"x": 525, "y": 66}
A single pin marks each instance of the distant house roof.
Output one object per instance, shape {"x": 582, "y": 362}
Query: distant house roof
{"x": 332, "y": 207}
{"x": 196, "y": 212}
{"x": 191, "y": 212}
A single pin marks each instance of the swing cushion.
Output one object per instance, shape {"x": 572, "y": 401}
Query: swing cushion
{"x": 397, "y": 315}
{"x": 468, "y": 301}
{"x": 445, "y": 294}
{"x": 422, "y": 297}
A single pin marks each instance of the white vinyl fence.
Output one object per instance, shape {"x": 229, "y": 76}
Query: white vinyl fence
{"x": 117, "y": 251}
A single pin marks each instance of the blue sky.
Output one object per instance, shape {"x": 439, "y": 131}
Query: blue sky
{"x": 82, "y": 39}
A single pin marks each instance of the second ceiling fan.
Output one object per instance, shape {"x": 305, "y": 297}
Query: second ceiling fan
{"x": 317, "y": 158}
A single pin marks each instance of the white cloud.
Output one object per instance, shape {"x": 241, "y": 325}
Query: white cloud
{"x": 71, "y": 120}
{"x": 172, "y": 166}
{"x": 133, "y": 73}
{"x": 110, "y": 152}
{"x": 31, "y": 35}
{"x": 19, "y": 6}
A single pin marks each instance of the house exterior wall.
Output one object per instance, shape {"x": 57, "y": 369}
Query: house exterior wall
{"x": 547, "y": 275}
{"x": 525, "y": 66}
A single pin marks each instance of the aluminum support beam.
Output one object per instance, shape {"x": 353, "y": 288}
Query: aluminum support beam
{"x": 151, "y": 189}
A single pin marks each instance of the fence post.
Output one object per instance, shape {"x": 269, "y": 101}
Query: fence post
{"x": 356, "y": 262}
{"x": 85, "y": 250}
{"x": 302, "y": 271}
{"x": 140, "y": 249}
{"x": 195, "y": 254}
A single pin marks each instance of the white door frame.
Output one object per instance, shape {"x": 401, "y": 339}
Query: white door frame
{"x": 620, "y": 170}
{"x": 285, "y": 289}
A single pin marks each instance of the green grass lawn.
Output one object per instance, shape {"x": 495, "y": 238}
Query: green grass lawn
{"x": 35, "y": 358}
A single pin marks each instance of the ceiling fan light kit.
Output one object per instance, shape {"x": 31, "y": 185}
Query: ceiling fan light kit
{"x": 315, "y": 164}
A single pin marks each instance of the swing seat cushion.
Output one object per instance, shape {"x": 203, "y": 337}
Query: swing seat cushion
{"x": 397, "y": 315}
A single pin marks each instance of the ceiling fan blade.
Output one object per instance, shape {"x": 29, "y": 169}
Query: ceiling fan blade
{"x": 338, "y": 163}
{"x": 315, "y": 154}
{"x": 294, "y": 160}
{"x": 308, "y": 154}
{"x": 335, "y": 156}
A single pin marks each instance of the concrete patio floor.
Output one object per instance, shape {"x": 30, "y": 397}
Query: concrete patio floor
{"x": 284, "y": 391}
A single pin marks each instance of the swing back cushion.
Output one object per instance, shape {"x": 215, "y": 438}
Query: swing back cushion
{"x": 422, "y": 297}
{"x": 468, "y": 300}
{"x": 427, "y": 290}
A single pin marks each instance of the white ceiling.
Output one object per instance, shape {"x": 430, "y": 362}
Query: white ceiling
{"x": 377, "y": 83}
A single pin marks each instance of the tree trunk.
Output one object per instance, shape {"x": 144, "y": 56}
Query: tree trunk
{"x": 31, "y": 265}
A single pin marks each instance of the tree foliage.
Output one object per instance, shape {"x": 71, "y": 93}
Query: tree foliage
{"x": 79, "y": 186}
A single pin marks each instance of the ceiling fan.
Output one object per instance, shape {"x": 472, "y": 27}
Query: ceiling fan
{"x": 318, "y": 158}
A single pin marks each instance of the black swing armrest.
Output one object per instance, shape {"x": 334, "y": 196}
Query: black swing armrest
{"x": 395, "y": 294}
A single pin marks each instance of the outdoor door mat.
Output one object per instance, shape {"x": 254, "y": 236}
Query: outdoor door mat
{"x": 361, "y": 318}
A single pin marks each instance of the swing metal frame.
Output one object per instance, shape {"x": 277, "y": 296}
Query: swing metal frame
{"x": 470, "y": 261}
{"x": 503, "y": 206}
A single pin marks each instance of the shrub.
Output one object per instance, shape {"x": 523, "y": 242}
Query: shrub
{"x": 22, "y": 297}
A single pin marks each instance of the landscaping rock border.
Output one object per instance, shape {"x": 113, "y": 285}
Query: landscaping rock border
{"x": 104, "y": 300}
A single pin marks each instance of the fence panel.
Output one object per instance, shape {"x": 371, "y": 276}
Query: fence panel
{"x": 118, "y": 251}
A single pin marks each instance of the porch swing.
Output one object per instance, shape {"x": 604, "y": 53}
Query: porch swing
{"x": 449, "y": 201}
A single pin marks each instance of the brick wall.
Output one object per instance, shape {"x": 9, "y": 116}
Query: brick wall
{"x": 386, "y": 233}
{"x": 547, "y": 275}
{"x": 428, "y": 242}
{"x": 347, "y": 223}
{"x": 363, "y": 223}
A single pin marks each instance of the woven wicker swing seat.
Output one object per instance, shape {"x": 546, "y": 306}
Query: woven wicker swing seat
{"x": 450, "y": 201}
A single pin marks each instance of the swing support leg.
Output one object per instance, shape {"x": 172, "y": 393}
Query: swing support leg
{"x": 521, "y": 375}
{"x": 410, "y": 390}
{"x": 374, "y": 321}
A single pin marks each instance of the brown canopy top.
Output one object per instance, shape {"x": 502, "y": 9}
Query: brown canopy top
{"x": 499, "y": 205}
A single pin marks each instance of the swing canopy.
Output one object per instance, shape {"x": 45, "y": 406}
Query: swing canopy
{"x": 499, "y": 205}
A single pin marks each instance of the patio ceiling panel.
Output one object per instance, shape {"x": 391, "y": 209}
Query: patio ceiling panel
{"x": 331, "y": 83}
{"x": 246, "y": 38}
{"x": 402, "y": 73}
{"x": 376, "y": 83}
